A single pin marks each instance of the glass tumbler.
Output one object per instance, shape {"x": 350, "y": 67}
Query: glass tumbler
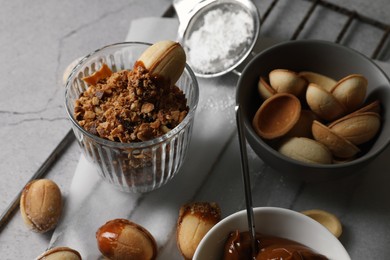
{"x": 139, "y": 166}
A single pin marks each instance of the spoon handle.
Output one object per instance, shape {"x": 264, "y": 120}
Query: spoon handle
{"x": 247, "y": 182}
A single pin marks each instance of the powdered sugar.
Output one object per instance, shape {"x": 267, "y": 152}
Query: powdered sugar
{"x": 222, "y": 39}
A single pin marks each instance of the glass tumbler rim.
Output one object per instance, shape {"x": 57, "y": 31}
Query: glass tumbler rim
{"x": 131, "y": 145}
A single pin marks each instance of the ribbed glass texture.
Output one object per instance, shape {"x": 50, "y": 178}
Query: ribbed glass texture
{"x": 132, "y": 167}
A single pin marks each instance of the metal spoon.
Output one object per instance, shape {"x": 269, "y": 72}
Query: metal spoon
{"x": 246, "y": 177}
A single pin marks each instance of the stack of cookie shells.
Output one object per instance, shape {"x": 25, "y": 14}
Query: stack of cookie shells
{"x": 315, "y": 118}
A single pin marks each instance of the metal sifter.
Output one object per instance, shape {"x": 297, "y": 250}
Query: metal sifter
{"x": 217, "y": 35}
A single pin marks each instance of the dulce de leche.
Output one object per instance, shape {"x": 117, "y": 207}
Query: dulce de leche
{"x": 238, "y": 247}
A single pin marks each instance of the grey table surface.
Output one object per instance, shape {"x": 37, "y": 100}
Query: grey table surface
{"x": 40, "y": 38}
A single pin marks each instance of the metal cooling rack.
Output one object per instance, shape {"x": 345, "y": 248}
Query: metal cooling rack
{"x": 351, "y": 15}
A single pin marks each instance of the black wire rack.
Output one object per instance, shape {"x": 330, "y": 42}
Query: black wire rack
{"x": 351, "y": 15}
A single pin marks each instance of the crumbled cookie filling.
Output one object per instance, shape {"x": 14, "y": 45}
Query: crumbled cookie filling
{"x": 130, "y": 106}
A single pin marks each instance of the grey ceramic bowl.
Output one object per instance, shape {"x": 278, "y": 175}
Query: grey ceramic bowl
{"x": 327, "y": 58}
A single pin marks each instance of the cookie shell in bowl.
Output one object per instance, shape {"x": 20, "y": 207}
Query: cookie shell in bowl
{"x": 277, "y": 116}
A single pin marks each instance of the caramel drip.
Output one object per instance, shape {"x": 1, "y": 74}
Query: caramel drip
{"x": 107, "y": 236}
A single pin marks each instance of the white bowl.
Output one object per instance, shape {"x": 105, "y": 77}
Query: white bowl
{"x": 277, "y": 222}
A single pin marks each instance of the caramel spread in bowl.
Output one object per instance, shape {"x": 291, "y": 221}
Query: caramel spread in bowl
{"x": 238, "y": 247}
{"x": 130, "y": 106}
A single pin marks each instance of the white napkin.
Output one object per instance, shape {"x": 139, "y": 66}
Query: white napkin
{"x": 92, "y": 202}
